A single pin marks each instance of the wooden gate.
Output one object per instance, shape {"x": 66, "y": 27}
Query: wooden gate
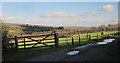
{"x": 23, "y": 42}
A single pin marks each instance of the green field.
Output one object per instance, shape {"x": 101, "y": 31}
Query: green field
{"x": 64, "y": 40}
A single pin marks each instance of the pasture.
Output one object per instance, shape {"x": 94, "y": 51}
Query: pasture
{"x": 65, "y": 40}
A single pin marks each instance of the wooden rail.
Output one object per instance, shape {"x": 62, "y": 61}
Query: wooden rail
{"x": 30, "y": 40}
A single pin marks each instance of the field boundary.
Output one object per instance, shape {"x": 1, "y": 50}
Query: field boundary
{"x": 52, "y": 40}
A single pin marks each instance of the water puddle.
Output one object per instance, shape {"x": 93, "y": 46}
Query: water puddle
{"x": 102, "y": 43}
{"x": 109, "y": 40}
{"x": 105, "y": 41}
{"x": 71, "y": 53}
{"x": 81, "y": 47}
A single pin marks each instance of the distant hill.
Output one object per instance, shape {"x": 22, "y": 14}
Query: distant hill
{"x": 19, "y": 29}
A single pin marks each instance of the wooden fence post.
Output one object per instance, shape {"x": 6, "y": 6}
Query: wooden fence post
{"x": 24, "y": 43}
{"x": 89, "y": 37}
{"x": 108, "y": 32}
{"x": 56, "y": 39}
{"x": 16, "y": 43}
{"x": 72, "y": 41}
{"x": 79, "y": 37}
{"x": 67, "y": 40}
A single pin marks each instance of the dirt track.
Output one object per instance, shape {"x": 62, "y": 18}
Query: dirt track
{"x": 109, "y": 52}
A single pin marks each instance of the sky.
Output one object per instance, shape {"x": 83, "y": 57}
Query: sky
{"x": 60, "y": 0}
{"x": 60, "y": 13}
